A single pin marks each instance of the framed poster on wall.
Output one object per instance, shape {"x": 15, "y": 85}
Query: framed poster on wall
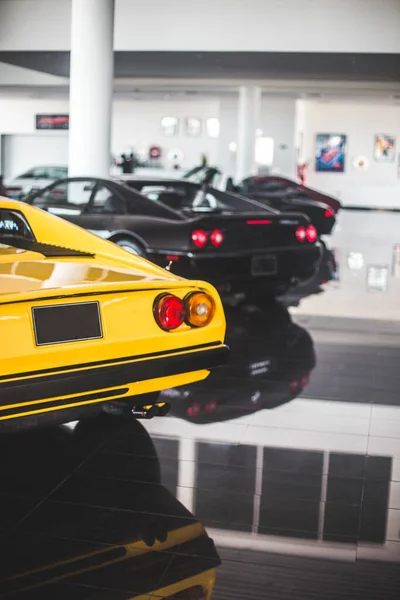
{"x": 330, "y": 152}
{"x": 377, "y": 278}
{"x": 169, "y": 126}
{"x": 384, "y": 148}
{"x": 193, "y": 126}
{"x": 52, "y": 122}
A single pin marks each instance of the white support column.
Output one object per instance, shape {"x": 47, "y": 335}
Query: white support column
{"x": 248, "y": 114}
{"x": 91, "y": 87}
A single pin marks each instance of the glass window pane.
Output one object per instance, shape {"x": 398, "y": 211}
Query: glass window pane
{"x": 27, "y": 175}
{"x": 66, "y": 198}
{"x": 39, "y": 173}
{"x": 58, "y": 172}
{"x": 107, "y": 202}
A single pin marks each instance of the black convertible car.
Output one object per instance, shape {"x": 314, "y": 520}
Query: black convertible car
{"x": 271, "y": 193}
{"x": 223, "y": 238}
{"x": 270, "y": 364}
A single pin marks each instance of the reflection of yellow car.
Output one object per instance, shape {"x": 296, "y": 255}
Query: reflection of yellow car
{"x": 101, "y": 525}
{"x": 84, "y": 322}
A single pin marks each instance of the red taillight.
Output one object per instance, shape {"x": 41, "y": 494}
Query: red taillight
{"x": 169, "y": 312}
{"x": 173, "y": 257}
{"x": 199, "y": 238}
{"x": 305, "y": 380}
{"x": 301, "y": 234}
{"x": 293, "y": 385}
{"x": 211, "y": 406}
{"x": 259, "y": 222}
{"x": 311, "y": 233}
{"x": 329, "y": 213}
{"x": 193, "y": 410}
{"x": 216, "y": 238}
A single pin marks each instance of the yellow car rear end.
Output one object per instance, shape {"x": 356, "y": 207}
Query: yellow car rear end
{"x": 85, "y": 328}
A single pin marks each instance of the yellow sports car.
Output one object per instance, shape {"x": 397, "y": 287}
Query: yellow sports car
{"x": 84, "y": 322}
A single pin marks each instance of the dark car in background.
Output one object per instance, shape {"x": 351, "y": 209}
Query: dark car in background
{"x": 34, "y": 179}
{"x": 236, "y": 245}
{"x": 278, "y": 193}
{"x": 288, "y": 186}
{"x": 270, "y": 364}
{"x": 271, "y": 193}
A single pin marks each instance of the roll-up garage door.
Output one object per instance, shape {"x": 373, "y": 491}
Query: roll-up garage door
{"x": 22, "y": 152}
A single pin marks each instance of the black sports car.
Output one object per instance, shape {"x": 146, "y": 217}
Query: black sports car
{"x": 273, "y": 194}
{"x": 270, "y": 364}
{"x": 234, "y": 244}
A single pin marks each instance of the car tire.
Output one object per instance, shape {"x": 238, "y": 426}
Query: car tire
{"x": 131, "y": 246}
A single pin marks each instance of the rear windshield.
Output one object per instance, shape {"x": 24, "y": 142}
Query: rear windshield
{"x": 196, "y": 200}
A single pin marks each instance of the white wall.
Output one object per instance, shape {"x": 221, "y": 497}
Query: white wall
{"x": 276, "y": 120}
{"x": 380, "y": 184}
{"x": 276, "y": 25}
{"x": 17, "y": 115}
{"x": 21, "y": 151}
{"x": 135, "y": 123}
{"x": 14, "y": 76}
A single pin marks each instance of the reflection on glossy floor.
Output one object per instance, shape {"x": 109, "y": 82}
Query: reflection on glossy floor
{"x": 289, "y": 456}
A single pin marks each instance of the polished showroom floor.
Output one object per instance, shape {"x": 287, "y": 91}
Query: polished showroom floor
{"x": 289, "y": 456}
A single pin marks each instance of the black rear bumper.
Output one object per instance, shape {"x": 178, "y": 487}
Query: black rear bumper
{"x": 40, "y": 393}
{"x": 294, "y": 264}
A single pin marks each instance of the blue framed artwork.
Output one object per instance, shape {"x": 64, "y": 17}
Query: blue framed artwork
{"x": 330, "y": 152}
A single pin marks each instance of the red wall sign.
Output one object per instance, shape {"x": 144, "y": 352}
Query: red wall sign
{"x": 52, "y": 121}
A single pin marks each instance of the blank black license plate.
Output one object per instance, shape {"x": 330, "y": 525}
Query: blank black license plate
{"x": 66, "y": 323}
{"x": 264, "y": 265}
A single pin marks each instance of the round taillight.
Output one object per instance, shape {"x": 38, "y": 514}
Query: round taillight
{"x": 211, "y": 406}
{"x": 216, "y": 238}
{"x": 169, "y": 312}
{"x": 311, "y": 233}
{"x": 301, "y": 234}
{"x": 193, "y": 410}
{"x": 199, "y": 238}
{"x": 200, "y": 309}
{"x": 293, "y": 385}
{"x": 329, "y": 213}
{"x": 305, "y": 380}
